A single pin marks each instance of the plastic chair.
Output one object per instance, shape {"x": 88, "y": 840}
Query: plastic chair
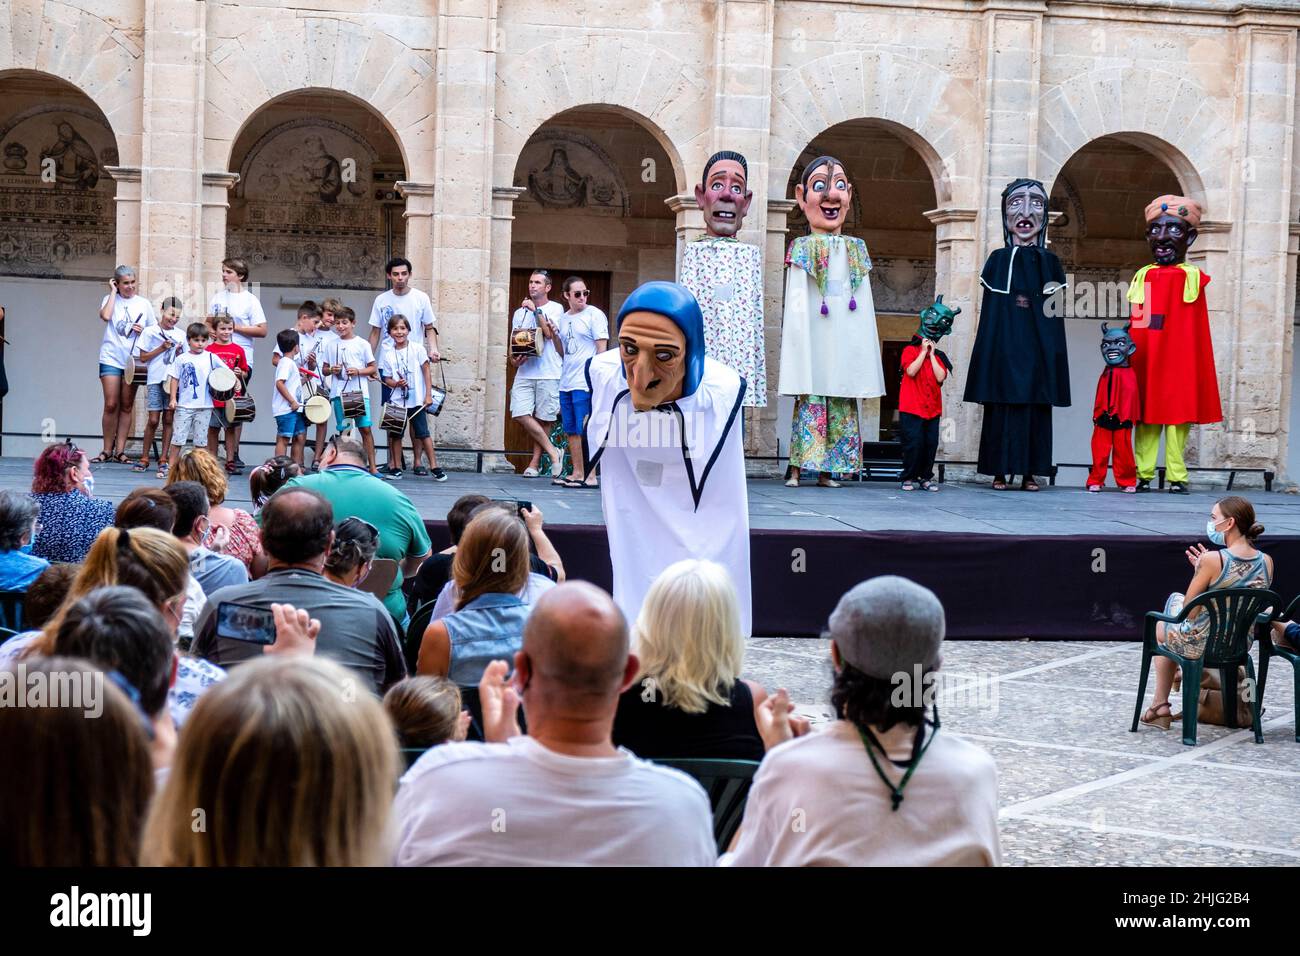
{"x": 727, "y": 783}
{"x": 415, "y": 634}
{"x": 1233, "y": 613}
{"x": 1268, "y": 649}
{"x": 383, "y": 572}
{"x": 11, "y": 609}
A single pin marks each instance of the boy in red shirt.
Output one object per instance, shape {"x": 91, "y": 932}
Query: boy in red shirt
{"x": 223, "y": 327}
{"x": 920, "y": 400}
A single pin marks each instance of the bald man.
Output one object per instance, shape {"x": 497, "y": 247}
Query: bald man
{"x": 563, "y": 794}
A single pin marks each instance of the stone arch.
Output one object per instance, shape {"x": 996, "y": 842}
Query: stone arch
{"x": 320, "y": 54}
{"x": 935, "y": 113}
{"x": 647, "y": 84}
{"x": 1182, "y": 125}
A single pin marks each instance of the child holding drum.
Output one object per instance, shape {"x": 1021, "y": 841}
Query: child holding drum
{"x": 286, "y": 403}
{"x": 159, "y": 346}
{"x": 404, "y": 367}
{"x": 350, "y": 361}
{"x": 187, "y": 381}
{"x": 325, "y": 339}
{"x": 232, "y": 354}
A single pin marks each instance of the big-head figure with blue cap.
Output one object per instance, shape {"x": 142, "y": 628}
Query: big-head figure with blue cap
{"x": 661, "y": 342}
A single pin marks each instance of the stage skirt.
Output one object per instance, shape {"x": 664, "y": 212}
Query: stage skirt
{"x": 1016, "y": 440}
{"x": 824, "y": 435}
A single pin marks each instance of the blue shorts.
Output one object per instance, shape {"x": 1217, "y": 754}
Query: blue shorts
{"x": 419, "y": 424}
{"x": 218, "y": 420}
{"x": 385, "y": 394}
{"x": 362, "y": 421}
{"x": 158, "y": 398}
{"x": 290, "y": 425}
{"x": 575, "y": 406}
{"x": 106, "y": 370}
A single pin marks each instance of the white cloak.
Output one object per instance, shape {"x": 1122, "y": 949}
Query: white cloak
{"x": 831, "y": 355}
{"x": 665, "y": 500}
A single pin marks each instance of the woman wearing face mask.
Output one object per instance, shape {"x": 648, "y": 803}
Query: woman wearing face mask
{"x": 1237, "y": 564}
{"x": 355, "y": 544}
{"x": 71, "y": 517}
{"x": 18, "y": 566}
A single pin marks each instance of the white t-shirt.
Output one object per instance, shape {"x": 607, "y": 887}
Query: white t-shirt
{"x": 245, "y": 309}
{"x": 817, "y": 801}
{"x": 306, "y": 342}
{"x": 287, "y": 372}
{"x": 548, "y": 364}
{"x": 150, "y": 339}
{"x": 191, "y": 373}
{"x": 407, "y": 363}
{"x": 352, "y": 353}
{"x": 520, "y": 804}
{"x": 580, "y": 332}
{"x": 415, "y": 305}
{"x": 119, "y": 341}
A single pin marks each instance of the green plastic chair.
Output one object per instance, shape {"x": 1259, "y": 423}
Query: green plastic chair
{"x": 11, "y": 609}
{"x": 1233, "y": 614}
{"x": 415, "y": 634}
{"x": 1268, "y": 649}
{"x": 727, "y": 783}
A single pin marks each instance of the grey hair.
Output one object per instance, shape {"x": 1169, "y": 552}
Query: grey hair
{"x": 17, "y": 514}
{"x": 121, "y": 272}
{"x": 349, "y": 443}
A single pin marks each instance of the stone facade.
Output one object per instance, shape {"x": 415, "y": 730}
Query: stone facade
{"x": 491, "y": 134}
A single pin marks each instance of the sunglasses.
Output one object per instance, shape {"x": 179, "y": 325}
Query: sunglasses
{"x": 581, "y": 294}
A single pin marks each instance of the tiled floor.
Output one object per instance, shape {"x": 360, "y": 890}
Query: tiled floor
{"x": 1075, "y": 786}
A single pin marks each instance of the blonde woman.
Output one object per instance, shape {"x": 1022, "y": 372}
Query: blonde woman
{"x": 234, "y": 531}
{"x": 426, "y": 712}
{"x": 688, "y": 699}
{"x": 290, "y": 772}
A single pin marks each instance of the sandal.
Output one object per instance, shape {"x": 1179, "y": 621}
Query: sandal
{"x": 826, "y": 481}
{"x": 162, "y": 470}
{"x": 121, "y": 458}
{"x": 929, "y": 486}
{"x": 141, "y": 465}
{"x": 569, "y": 483}
{"x": 999, "y": 484}
{"x": 590, "y": 484}
{"x": 792, "y": 477}
{"x": 907, "y": 486}
{"x": 1029, "y": 485}
{"x": 101, "y": 458}
{"x": 1158, "y": 716}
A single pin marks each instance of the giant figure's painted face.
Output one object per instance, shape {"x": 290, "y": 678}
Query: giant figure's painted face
{"x": 936, "y": 320}
{"x": 1024, "y": 211}
{"x": 1116, "y": 345}
{"x": 653, "y": 350}
{"x": 724, "y": 198}
{"x": 1169, "y": 237}
{"x": 824, "y": 195}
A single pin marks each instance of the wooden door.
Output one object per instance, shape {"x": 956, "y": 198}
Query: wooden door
{"x": 598, "y": 283}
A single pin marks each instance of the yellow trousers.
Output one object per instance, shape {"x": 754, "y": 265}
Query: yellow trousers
{"x": 1146, "y": 447}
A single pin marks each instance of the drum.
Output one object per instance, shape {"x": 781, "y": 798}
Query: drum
{"x": 241, "y": 410}
{"x": 136, "y": 371}
{"x": 436, "y": 398}
{"x": 354, "y": 404}
{"x": 395, "y": 418}
{"x": 222, "y": 383}
{"x": 317, "y": 409}
{"x": 525, "y": 343}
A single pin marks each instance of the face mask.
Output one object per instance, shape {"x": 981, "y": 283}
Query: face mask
{"x": 1216, "y": 537}
{"x": 89, "y": 484}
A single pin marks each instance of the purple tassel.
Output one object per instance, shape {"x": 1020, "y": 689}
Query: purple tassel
{"x": 853, "y": 304}
{"x": 825, "y": 311}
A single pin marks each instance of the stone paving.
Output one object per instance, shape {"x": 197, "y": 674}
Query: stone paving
{"x": 1075, "y": 786}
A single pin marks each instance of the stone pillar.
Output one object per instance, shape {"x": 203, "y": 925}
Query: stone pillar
{"x": 690, "y": 223}
{"x": 956, "y": 278}
{"x": 1012, "y": 49}
{"x": 465, "y": 101}
{"x": 1288, "y": 358}
{"x": 761, "y": 424}
{"x": 500, "y": 308}
{"x": 126, "y": 199}
{"x": 1260, "y": 316}
{"x": 216, "y": 206}
{"x": 418, "y": 215}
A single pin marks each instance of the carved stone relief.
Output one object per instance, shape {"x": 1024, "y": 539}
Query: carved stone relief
{"x": 563, "y": 169}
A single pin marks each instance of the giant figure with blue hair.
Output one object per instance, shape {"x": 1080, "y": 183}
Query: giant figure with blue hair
{"x": 665, "y": 429}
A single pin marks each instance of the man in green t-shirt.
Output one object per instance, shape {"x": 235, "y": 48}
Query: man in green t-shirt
{"x": 355, "y": 493}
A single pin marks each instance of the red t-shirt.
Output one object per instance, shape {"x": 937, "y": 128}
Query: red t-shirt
{"x": 921, "y": 395}
{"x": 232, "y": 355}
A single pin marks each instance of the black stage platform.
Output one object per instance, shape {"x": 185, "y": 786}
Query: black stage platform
{"x": 1058, "y": 564}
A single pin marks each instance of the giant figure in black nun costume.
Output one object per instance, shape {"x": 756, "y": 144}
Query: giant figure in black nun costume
{"x": 665, "y": 429}
{"x": 1019, "y": 368}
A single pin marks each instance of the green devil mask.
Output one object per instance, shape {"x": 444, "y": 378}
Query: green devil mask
{"x": 936, "y": 320}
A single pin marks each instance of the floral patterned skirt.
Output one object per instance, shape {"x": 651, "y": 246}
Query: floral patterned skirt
{"x": 824, "y": 435}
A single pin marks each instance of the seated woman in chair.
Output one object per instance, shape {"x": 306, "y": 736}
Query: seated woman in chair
{"x": 1237, "y": 564}
{"x": 352, "y": 553}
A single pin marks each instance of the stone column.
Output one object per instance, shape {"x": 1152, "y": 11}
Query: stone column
{"x": 418, "y": 214}
{"x": 216, "y": 206}
{"x": 761, "y": 423}
{"x": 465, "y": 101}
{"x": 956, "y": 278}
{"x": 1288, "y": 358}
{"x": 500, "y": 308}
{"x": 1260, "y": 316}
{"x": 126, "y": 199}
{"x": 1012, "y": 50}
{"x": 690, "y": 223}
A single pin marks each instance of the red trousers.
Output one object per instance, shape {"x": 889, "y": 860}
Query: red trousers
{"x": 1120, "y": 443}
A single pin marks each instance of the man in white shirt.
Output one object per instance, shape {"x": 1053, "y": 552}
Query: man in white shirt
{"x": 563, "y": 795}
{"x": 584, "y": 333}
{"x": 125, "y": 315}
{"x": 535, "y": 395}
{"x": 882, "y": 786}
{"x": 246, "y": 311}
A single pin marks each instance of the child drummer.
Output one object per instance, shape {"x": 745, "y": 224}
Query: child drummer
{"x": 228, "y": 351}
{"x": 405, "y": 368}
{"x": 286, "y": 402}
{"x": 350, "y": 361}
{"x": 187, "y": 381}
{"x": 159, "y": 346}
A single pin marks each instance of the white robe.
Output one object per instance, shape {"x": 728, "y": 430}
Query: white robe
{"x": 836, "y": 354}
{"x": 661, "y": 504}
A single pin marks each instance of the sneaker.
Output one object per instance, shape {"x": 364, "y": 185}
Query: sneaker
{"x": 392, "y": 474}
{"x": 439, "y": 475}
{"x": 421, "y": 471}
{"x": 1144, "y": 484}
{"x": 237, "y": 463}
{"x": 1177, "y": 488}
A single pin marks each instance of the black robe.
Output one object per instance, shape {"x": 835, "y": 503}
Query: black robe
{"x": 1019, "y": 367}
